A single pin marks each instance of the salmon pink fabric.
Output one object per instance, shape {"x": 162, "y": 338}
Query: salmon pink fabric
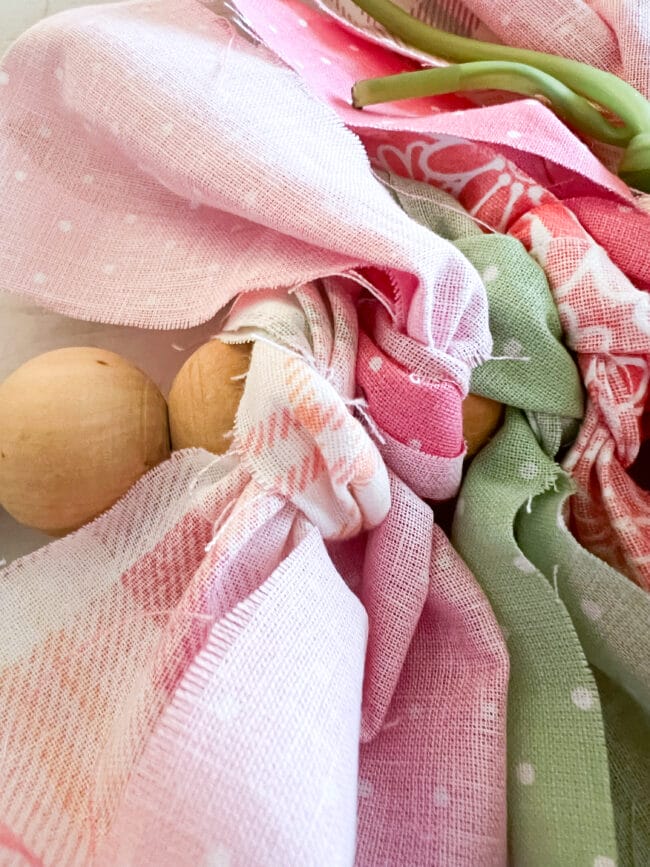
{"x": 610, "y": 34}
{"x": 330, "y": 58}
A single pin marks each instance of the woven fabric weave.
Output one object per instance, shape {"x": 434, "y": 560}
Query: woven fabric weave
{"x": 559, "y": 803}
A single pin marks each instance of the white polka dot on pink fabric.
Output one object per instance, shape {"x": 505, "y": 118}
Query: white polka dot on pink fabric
{"x": 45, "y": 131}
{"x": 326, "y": 61}
{"x": 375, "y": 363}
{"x": 440, "y": 796}
{"x": 489, "y": 710}
{"x": 65, "y": 226}
{"x": 20, "y": 175}
{"x": 366, "y": 789}
{"x": 108, "y": 268}
{"x": 167, "y": 129}
{"x": 88, "y": 179}
{"x": 219, "y": 857}
{"x": 4, "y": 78}
{"x": 415, "y": 444}
{"x": 130, "y": 219}
{"x": 513, "y": 133}
{"x": 40, "y": 278}
{"x": 302, "y": 22}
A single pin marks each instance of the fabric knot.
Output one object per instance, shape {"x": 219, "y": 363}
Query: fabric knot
{"x": 294, "y": 432}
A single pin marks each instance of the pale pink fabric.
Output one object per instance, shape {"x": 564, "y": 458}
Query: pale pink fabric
{"x": 255, "y": 760}
{"x": 609, "y": 34}
{"x": 186, "y": 679}
{"x": 158, "y": 208}
{"x": 150, "y": 178}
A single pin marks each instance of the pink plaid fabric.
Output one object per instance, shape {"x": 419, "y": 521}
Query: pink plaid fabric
{"x": 188, "y": 679}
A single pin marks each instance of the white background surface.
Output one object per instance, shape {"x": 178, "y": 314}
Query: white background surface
{"x": 26, "y": 331}
{"x": 17, "y": 15}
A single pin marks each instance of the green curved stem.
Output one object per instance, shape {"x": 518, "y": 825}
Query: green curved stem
{"x": 493, "y": 75}
{"x": 595, "y": 85}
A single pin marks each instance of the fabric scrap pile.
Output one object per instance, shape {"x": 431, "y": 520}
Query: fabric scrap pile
{"x": 278, "y": 656}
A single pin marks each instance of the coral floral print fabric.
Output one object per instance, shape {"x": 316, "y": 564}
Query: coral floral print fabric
{"x": 605, "y": 316}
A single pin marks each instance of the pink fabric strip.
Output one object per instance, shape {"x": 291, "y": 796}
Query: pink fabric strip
{"x": 331, "y": 58}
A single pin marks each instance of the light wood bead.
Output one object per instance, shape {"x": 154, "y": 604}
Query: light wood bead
{"x": 78, "y": 427}
{"x": 204, "y": 397}
{"x": 481, "y": 417}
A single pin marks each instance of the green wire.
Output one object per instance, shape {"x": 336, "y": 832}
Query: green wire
{"x": 595, "y": 85}
{"x": 580, "y": 80}
{"x": 493, "y": 75}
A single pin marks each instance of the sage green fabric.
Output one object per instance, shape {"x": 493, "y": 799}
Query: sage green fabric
{"x": 559, "y": 795}
{"x": 559, "y": 798}
{"x": 611, "y": 616}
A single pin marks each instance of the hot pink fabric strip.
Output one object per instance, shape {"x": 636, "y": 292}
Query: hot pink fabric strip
{"x": 331, "y": 58}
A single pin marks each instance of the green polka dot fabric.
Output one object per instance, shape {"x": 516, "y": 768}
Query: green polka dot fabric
{"x": 611, "y": 616}
{"x": 568, "y": 798}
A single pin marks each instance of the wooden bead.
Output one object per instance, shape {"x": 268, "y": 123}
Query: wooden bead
{"x": 78, "y": 427}
{"x": 204, "y": 398}
{"x": 481, "y": 418}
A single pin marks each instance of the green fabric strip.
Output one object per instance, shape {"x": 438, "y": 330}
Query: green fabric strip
{"x": 559, "y": 800}
{"x": 611, "y": 616}
{"x": 559, "y": 797}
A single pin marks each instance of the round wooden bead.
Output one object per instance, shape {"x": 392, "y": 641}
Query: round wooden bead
{"x": 204, "y": 396}
{"x": 481, "y": 418}
{"x": 78, "y": 427}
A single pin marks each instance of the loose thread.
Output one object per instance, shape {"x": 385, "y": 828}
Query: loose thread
{"x": 555, "y": 572}
{"x": 529, "y": 505}
{"x": 361, "y": 405}
{"x": 205, "y": 469}
{"x": 218, "y": 527}
{"x": 239, "y": 20}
